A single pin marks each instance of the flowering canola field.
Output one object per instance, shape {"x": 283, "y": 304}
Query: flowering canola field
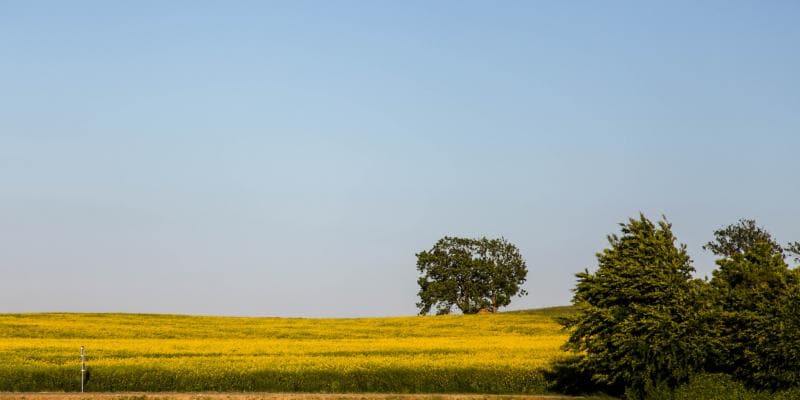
{"x": 502, "y": 353}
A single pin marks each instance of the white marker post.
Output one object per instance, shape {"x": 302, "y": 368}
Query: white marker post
{"x": 83, "y": 368}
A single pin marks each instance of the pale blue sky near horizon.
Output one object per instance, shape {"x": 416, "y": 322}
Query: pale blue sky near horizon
{"x": 290, "y": 158}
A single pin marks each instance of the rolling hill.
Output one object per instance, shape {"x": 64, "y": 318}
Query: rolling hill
{"x": 502, "y": 353}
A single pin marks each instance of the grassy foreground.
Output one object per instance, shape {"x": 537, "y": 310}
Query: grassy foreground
{"x": 502, "y": 353}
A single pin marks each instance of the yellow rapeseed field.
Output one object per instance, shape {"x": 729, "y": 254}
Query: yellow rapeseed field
{"x": 503, "y": 353}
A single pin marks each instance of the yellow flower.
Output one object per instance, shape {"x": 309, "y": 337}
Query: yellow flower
{"x": 501, "y": 353}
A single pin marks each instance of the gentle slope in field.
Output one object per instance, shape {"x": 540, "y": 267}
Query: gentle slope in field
{"x": 501, "y": 353}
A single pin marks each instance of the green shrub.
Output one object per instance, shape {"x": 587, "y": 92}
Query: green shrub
{"x": 721, "y": 387}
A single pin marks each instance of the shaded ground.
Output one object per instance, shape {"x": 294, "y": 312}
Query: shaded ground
{"x": 266, "y": 396}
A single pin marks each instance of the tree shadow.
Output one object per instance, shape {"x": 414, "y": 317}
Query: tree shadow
{"x": 568, "y": 376}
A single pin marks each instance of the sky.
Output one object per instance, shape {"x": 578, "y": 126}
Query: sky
{"x": 290, "y": 158}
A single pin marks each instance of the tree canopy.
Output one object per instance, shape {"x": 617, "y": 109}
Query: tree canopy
{"x": 794, "y": 249}
{"x": 638, "y": 322}
{"x": 737, "y": 238}
{"x": 756, "y": 293}
{"x": 644, "y": 325}
{"x": 470, "y": 274}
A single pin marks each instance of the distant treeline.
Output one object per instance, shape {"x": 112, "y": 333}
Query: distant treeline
{"x": 646, "y": 328}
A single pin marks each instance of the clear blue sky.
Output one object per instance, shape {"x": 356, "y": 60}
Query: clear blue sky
{"x": 290, "y": 158}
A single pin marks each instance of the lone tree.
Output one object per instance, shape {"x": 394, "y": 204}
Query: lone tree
{"x": 471, "y": 274}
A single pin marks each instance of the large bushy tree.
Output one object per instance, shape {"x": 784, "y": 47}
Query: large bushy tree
{"x": 640, "y": 313}
{"x": 759, "y": 317}
{"x": 469, "y": 274}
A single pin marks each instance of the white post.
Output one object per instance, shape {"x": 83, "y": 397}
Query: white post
{"x": 83, "y": 368}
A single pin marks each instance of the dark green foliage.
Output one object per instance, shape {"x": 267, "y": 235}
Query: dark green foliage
{"x": 645, "y": 327}
{"x": 721, "y": 387}
{"x": 640, "y": 320}
{"x": 759, "y": 318}
{"x": 775, "y": 356}
{"x": 570, "y": 376}
{"x": 794, "y": 250}
{"x": 471, "y": 274}
{"x": 737, "y": 238}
